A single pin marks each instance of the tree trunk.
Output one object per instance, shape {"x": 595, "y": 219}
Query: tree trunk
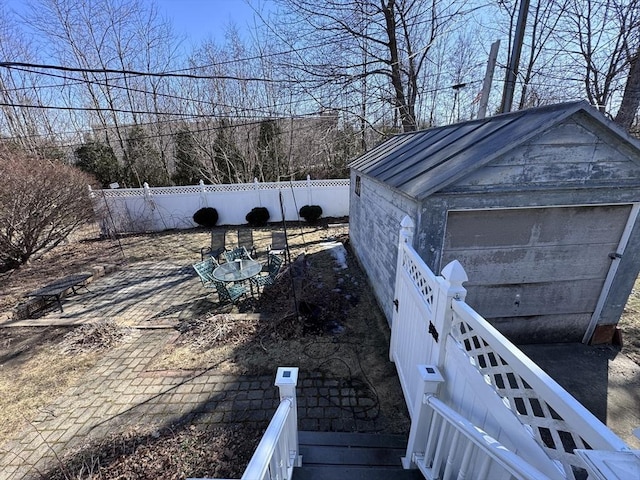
{"x": 406, "y": 117}
{"x": 631, "y": 96}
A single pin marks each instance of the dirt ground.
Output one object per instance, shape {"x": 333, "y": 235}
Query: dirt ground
{"x": 336, "y": 307}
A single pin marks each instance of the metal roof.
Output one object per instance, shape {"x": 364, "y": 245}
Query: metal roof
{"x": 424, "y": 162}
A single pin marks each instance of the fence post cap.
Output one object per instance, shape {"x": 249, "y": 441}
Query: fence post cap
{"x": 286, "y": 376}
{"x": 407, "y": 223}
{"x": 454, "y": 273}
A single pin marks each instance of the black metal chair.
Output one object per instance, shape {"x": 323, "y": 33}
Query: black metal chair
{"x": 237, "y": 253}
{"x": 217, "y": 246}
{"x": 274, "y": 264}
{"x": 229, "y": 293}
{"x": 245, "y": 239}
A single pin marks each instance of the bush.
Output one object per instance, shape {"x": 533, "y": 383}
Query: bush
{"x": 41, "y": 202}
{"x": 311, "y": 213}
{"x": 258, "y": 217}
{"x": 206, "y": 217}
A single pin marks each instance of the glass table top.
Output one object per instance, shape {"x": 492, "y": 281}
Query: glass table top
{"x": 237, "y": 270}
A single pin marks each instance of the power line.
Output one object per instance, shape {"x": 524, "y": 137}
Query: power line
{"x": 135, "y": 72}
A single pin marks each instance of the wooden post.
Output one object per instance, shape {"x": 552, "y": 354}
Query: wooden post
{"x": 488, "y": 78}
{"x": 514, "y": 61}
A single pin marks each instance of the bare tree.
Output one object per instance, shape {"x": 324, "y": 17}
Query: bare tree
{"x": 387, "y": 42}
{"x": 21, "y": 92}
{"x": 601, "y": 38}
{"x": 631, "y": 96}
{"x": 109, "y": 34}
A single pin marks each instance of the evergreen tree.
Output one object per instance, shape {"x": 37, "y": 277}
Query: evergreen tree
{"x": 188, "y": 168}
{"x": 227, "y": 157}
{"x": 271, "y": 166}
{"x": 99, "y": 160}
{"x": 142, "y": 161}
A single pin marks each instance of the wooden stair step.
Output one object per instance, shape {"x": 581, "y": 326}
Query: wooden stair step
{"x": 352, "y": 439}
{"x": 354, "y": 473}
{"x": 337, "y": 455}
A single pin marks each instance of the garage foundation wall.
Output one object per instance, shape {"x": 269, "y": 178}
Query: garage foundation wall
{"x": 374, "y": 225}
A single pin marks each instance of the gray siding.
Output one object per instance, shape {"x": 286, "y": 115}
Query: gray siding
{"x": 570, "y": 153}
{"x": 374, "y": 224}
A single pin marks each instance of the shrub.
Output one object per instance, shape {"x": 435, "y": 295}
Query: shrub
{"x": 207, "y": 217}
{"x": 311, "y": 213}
{"x": 41, "y": 202}
{"x": 258, "y": 217}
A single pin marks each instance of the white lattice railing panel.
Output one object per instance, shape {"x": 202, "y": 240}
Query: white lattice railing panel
{"x": 422, "y": 279}
{"x": 557, "y": 421}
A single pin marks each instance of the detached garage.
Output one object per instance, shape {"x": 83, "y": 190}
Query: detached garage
{"x": 540, "y": 207}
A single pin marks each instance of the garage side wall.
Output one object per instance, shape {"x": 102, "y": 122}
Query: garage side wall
{"x": 374, "y": 222}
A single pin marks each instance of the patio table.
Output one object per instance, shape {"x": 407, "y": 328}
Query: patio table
{"x": 57, "y": 288}
{"x": 237, "y": 271}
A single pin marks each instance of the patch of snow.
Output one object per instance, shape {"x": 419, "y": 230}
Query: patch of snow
{"x": 339, "y": 253}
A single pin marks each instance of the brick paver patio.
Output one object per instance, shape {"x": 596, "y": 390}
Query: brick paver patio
{"x": 120, "y": 392}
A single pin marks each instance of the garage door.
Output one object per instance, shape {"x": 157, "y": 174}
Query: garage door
{"x": 536, "y": 273}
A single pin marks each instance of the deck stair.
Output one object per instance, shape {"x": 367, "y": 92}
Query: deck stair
{"x": 352, "y": 456}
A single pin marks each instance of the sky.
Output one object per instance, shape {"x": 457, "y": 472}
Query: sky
{"x": 199, "y": 20}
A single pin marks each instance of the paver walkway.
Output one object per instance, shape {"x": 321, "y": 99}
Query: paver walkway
{"x": 120, "y": 392}
{"x": 142, "y": 294}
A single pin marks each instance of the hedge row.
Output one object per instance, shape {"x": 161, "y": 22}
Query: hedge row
{"x": 257, "y": 217}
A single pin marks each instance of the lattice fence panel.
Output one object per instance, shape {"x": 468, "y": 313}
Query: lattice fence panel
{"x": 551, "y": 431}
{"x": 425, "y": 284}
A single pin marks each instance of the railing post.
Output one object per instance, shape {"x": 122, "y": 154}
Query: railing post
{"x": 449, "y": 288}
{"x": 421, "y": 420}
{"x": 286, "y": 381}
{"x": 407, "y": 228}
{"x": 405, "y": 238}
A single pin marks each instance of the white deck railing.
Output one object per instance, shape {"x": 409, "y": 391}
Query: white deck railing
{"x": 274, "y": 458}
{"x": 278, "y": 451}
{"x": 485, "y": 379}
{"x": 559, "y": 423}
{"x": 453, "y": 444}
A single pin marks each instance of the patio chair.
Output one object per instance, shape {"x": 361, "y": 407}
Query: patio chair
{"x": 279, "y": 245}
{"x": 237, "y": 253}
{"x": 217, "y": 246}
{"x": 245, "y": 239}
{"x": 205, "y": 269}
{"x": 229, "y": 293}
{"x": 274, "y": 264}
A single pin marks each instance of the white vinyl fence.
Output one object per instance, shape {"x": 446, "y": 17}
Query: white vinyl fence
{"x": 153, "y": 209}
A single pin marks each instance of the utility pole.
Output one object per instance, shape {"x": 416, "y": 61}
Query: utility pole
{"x": 488, "y": 78}
{"x": 512, "y": 69}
